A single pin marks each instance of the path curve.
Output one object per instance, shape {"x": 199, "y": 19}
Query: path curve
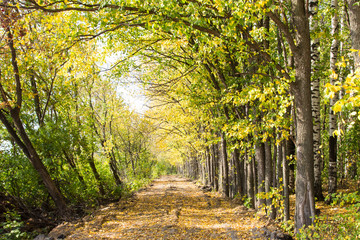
{"x": 171, "y": 207}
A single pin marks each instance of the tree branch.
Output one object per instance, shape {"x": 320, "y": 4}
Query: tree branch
{"x": 284, "y": 29}
{"x": 16, "y": 71}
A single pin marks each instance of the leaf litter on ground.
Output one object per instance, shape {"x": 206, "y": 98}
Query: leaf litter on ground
{"x": 171, "y": 207}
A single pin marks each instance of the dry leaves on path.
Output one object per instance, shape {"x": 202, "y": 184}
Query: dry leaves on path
{"x": 171, "y": 208}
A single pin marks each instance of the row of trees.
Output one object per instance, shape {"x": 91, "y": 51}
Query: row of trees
{"x": 66, "y": 134}
{"x": 256, "y": 86}
{"x": 252, "y": 89}
{"x": 251, "y": 86}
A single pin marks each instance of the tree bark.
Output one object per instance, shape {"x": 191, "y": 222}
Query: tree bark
{"x": 225, "y": 166}
{"x": 285, "y": 174}
{"x": 215, "y": 166}
{"x": 354, "y": 18}
{"x": 291, "y": 152}
{"x": 250, "y": 180}
{"x": 260, "y": 159}
{"x": 210, "y": 170}
{"x": 243, "y": 175}
{"x": 315, "y": 99}
{"x": 36, "y": 100}
{"x": 332, "y": 116}
{"x": 254, "y": 181}
{"x": 96, "y": 173}
{"x": 301, "y": 90}
{"x": 238, "y": 174}
{"x": 232, "y": 170}
{"x": 207, "y": 167}
{"x": 112, "y": 164}
{"x": 274, "y": 183}
{"x": 279, "y": 173}
{"x": 202, "y": 167}
{"x": 268, "y": 170}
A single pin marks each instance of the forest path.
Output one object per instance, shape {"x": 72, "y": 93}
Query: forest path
{"x": 170, "y": 208}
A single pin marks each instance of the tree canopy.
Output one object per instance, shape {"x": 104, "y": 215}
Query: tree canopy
{"x": 251, "y": 97}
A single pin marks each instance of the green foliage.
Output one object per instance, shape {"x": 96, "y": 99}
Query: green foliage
{"x": 210, "y": 68}
{"x": 11, "y": 229}
{"x": 18, "y": 178}
{"x": 352, "y": 200}
{"x": 342, "y": 225}
{"x": 162, "y": 168}
{"x": 287, "y": 226}
{"x": 277, "y": 201}
{"x": 247, "y": 202}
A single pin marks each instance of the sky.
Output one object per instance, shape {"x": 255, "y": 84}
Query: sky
{"x": 133, "y": 97}
{"x": 128, "y": 88}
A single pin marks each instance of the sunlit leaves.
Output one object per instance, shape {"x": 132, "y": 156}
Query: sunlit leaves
{"x": 351, "y": 88}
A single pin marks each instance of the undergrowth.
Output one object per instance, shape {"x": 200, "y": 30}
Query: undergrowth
{"x": 344, "y": 224}
{"x": 340, "y": 220}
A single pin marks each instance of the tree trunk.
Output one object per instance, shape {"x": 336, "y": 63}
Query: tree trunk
{"x": 196, "y": 167}
{"x": 250, "y": 180}
{"x": 268, "y": 170}
{"x": 315, "y": 99}
{"x": 332, "y": 116}
{"x": 96, "y": 173}
{"x": 202, "y": 167}
{"x": 354, "y": 18}
{"x": 279, "y": 157}
{"x": 225, "y": 166}
{"x": 36, "y": 100}
{"x": 242, "y": 176}
{"x": 254, "y": 181}
{"x": 207, "y": 167}
{"x": 211, "y": 170}
{"x": 215, "y": 166}
{"x": 238, "y": 175}
{"x": 220, "y": 167}
{"x": 301, "y": 90}
{"x": 132, "y": 162}
{"x": 260, "y": 159}
{"x": 112, "y": 163}
{"x": 232, "y": 184}
{"x": 290, "y": 152}
{"x": 274, "y": 183}
{"x": 285, "y": 164}
{"x": 114, "y": 171}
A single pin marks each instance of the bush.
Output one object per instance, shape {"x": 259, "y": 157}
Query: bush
{"x": 12, "y": 227}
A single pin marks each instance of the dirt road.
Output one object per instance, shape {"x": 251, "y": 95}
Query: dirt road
{"x": 170, "y": 208}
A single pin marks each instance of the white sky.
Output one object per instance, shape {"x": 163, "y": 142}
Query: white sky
{"x": 133, "y": 97}
{"x": 128, "y": 89}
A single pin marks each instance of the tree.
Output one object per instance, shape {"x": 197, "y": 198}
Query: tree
{"x": 10, "y": 112}
{"x": 332, "y": 115}
{"x": 220, "y": 58}
{"x": 354, "y": 19}
{"x": 315, "y": 97}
